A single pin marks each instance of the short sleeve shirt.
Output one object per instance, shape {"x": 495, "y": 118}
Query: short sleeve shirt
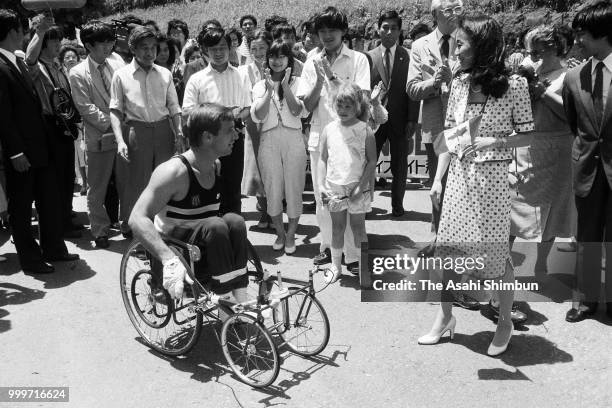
{"x": 349, "y": 66}
{"x": 228, "y": 88}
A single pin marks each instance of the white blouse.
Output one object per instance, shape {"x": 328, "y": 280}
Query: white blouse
{"x": 279, "y": 111}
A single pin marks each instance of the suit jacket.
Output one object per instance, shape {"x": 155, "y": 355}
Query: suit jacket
{"x": 92, "y": 100}
{"x": 401, "y": 108}
{"x": 192, "y": 68}
{"x": 23, "y": 127}
{"x": 425, "y": 58}
{"x": 593, "y": 143}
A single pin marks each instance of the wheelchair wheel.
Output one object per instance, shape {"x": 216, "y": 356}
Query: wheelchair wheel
{"x": 170, "y": 327}
{"x": 306, "y": 327}
{"x": 250, "y": 350}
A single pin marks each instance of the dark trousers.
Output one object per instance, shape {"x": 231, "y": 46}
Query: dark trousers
{"x": 36, "y": 185}
{"x": 594, "y": 231}
{"x": 399, "y": 147}
{"x": 232, "y": 167}
{"x": 432, "y": 161}
{"x": 111, "y": 200}
{"x": 61, "y": 160}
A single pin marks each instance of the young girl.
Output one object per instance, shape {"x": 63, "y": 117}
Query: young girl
{"x": 348, "y": 159}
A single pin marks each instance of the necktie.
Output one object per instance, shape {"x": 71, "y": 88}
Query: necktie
{"x": 598, "y": 102}
{"x": 21, "y": 66}
{"x": 445, "y": 47}
{"x": 388, "y": 63}
{"x": 104, "y": 78}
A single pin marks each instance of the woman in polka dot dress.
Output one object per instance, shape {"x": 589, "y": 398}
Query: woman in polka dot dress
{"x": 475, "y": 219}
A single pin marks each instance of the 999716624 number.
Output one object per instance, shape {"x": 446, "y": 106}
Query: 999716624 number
{"x": 34, "y": 394}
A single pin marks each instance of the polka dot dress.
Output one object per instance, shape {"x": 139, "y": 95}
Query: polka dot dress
{"x": 475, "y": 220}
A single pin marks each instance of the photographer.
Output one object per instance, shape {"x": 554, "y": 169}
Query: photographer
{"x": 53, "y": 91}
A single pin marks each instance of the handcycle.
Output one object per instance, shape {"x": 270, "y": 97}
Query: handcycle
{"x": 292, "y": 314}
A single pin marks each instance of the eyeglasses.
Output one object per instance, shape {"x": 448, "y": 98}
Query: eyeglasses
{"x": 452, "y": 10}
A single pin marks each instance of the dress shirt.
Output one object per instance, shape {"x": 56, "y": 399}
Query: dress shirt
{"x": 349, "y": 66}
{"x": 144, "y": 96}
{"x": 607, "y": 75}
{"x": 452, "y": 42}
{"x": 228, "y": 88}
{"x": 107, "y": 71}
{"x": 391, "y": 57}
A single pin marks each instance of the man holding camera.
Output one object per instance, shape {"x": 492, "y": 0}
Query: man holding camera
{"x": 143, "y": 96}
{"x": 47, "y": 75}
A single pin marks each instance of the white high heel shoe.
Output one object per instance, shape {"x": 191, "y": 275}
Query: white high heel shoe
{"x": 434, "y": 338}
{"x": 497, "y": 350}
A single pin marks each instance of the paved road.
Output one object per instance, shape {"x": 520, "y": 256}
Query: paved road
{"x": 70, "y": 329}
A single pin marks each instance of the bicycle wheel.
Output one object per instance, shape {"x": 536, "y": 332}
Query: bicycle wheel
{"x": 306, "y": 329}
{"x": 170, "y": 327}
{"x": 250, "y": 350}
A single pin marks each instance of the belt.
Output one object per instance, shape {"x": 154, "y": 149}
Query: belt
{"x": 147, "y": 124}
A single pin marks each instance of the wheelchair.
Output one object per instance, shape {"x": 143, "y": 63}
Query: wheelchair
{"x": 251, "y": 332}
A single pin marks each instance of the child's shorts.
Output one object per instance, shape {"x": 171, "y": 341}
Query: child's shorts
{"x": 340, "y": 201}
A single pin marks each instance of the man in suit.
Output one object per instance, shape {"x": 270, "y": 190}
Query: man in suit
{"x": 390, "y": 65}
{"x": 25, "y": 143}
{"x": 587, "y": 98}
{"x": 432, "y": 64}
{"x": 90, "y": 84}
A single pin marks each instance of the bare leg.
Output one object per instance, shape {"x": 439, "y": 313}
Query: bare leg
{"x": 541, "y": 269}
{"x": 277, "y": 221}
{"x": 291, "y": 228}
{"x": 506, "y": 297}
{"x": 338, "y": 227}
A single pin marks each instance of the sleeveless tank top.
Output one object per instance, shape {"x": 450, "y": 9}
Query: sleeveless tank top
{"x": 198, "y": 204}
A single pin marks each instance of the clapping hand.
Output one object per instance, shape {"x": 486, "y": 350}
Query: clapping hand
{"x": 268, "y": 81}
{"x": 377, "y": 92}
{"x": 286, "y": 78}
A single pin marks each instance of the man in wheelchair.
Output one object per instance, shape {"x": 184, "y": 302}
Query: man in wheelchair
{"x": 182, "y": 201}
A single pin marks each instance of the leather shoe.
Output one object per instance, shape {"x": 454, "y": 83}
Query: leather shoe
{"x": 323, "y": 258}
{"x": 465, "y": 302}
{"x": 65, "y": 257}
{"x": 577, "y": 315}
{"x": 398, "y": 212}
{"x": 516, "y": 315}
{"x": 102, "y": 242}
{"x": 38, "y": 267}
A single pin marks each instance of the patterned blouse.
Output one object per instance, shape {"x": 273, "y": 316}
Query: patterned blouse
{"x": 501, "y": 116}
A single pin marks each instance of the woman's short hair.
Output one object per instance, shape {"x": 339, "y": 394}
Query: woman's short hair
{"x": 286, "y": 29}
{"x": 172, "y": 45}
{"x": 96, "y": 31}
{"x": 260, "y": 35}
{"x": 176, "y": 24}
{"x": 54, "y": 33}
{"x": 420, "y": 28}
{"x": 190, "y": 48}
{"x": 236, "y": 32}
{"x": 65, "y": 50}
{"x": 487, "y": 42}
{"x": 596, "y": 19}
{"x": 139, "y": 34}
{"x": 550, "y": 37}
{"x": 350, "y": 92}
{"x": 248, "y": 17}
{"x": 331, "y": 18}
{"x": 206, "y": 117}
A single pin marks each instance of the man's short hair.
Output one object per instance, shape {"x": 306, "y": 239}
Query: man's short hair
{"x": 204, "y": 29}
{"x": 420, "y": 28}
{"x": 54, "y": 33}
{"x": 206, "y": 117}
{"x": 331, "y": 18}
{"x": 139, "y": 34}
{"x": 214, "y": 37}
{"x": 96, "y": 31}
{"x": 8, "y": 21}
{"x": 595, "y": 19}
{"x": 390, "y": 15}
{"x": 248, "y": 17}
{"x": 286, "y": 29}
{"x": 273, "y": 21}
{"x": 176, "y": 24}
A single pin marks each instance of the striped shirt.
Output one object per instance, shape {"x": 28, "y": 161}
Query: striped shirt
{"x": 228, "y": 88}
{"x": 144, "y": 96}
{"x": 198, "y": 204}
